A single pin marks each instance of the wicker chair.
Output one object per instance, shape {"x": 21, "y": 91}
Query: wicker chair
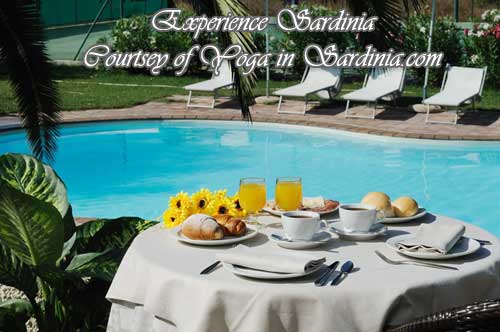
{"x": 477, "y": 317}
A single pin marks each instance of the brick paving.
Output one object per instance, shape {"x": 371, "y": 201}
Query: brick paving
{"x": 397, "y": 122}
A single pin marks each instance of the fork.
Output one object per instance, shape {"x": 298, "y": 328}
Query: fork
{"x": 411, "y": 262}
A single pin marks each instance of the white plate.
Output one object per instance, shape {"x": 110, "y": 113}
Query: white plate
{"x": 274, "y": 212}
{"x": 258, "y": 274}
{"x": 318, "y": 239}
{"x": 464, "y": 246}
{"x": 177, "y": 234}
{"x": 393, "y": 220}
{"x": 375, "y": 231}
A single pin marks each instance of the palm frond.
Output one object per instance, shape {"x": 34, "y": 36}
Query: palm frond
{"x": 390, "y": 14}
{"x": 244, "y": 84}
{"x": 23, "y": 51}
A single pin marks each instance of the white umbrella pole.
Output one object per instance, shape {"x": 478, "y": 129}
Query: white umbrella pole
{"x": 267, "y": 49}
{"x": 429, "y": 46}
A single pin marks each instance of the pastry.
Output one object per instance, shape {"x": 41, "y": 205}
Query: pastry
{"x": 328, "y": 205}
{"x": 405, "y": 207}
{"x": 380, "y": 201}
{"x": 313, "y": 202}
{"x": 231, "y": 225}
{"x": 202, "y": 227}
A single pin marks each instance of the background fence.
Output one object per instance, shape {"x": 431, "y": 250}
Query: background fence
{"x": 70, "y": 12}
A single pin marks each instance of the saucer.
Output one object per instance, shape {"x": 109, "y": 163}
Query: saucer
{"x": 317, "y": 240}
{"x": 393, "y": 220}
{"x": 464, "y": 246}
{"x": 266, "y": 275}
{"x": 375, "y": 231}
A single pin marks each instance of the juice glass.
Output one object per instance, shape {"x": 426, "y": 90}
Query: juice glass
{"x": 288, "y": 193}
{"x": 252, "y": 195}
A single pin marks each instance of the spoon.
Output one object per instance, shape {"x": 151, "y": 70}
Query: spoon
{"x": 345, "y": 269}
{"x": 280, "y": 238}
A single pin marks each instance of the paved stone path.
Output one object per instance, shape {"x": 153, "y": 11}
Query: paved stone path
{"x": 398, "y": 122}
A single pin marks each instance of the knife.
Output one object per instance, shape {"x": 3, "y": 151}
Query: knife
{"x": 210, "y": 268}
{"x": 321, "y": 281}
{"x": 345, "y": 269}
{"x": 482, "y": 242}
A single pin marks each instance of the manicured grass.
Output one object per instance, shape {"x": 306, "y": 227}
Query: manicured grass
{"x": 88, "y": 89}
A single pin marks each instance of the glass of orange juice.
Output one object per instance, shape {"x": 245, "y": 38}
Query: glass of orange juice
{"x": 252, "y": 195}
{"x": 288, "y": 193}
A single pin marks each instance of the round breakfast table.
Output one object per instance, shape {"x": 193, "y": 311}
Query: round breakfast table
{"x": 158, "y": 287}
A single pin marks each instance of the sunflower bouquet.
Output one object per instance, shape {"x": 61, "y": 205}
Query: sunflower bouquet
{"x": 203, "y": 201}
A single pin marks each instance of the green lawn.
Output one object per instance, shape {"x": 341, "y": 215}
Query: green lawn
{"x": 85, "y": 89}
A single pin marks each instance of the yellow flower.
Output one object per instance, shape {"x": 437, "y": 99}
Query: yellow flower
{"x": 180, "y": 202}
{"x": 221, "y": 205}
{"x": 221, "y": 193}
{"x": 240, "y": 212}
{"x": 201, "y": 200}
{"x": 172, "y": 218}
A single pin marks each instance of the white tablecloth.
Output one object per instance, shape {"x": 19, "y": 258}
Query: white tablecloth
{"x": 158, "y": 288}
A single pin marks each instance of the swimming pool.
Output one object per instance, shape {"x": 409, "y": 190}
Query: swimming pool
{"x": 132, "y": 167}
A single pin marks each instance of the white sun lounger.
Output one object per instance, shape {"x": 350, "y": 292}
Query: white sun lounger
{"x": 461, "y": 86}
{"x": 380, "y": 83}
{"x": 326, "y": 82}
{"x": 224, "y": 79}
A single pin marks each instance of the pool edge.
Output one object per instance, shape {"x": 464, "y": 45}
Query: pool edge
{"x": 259, "y": 118}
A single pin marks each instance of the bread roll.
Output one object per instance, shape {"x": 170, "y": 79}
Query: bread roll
{"x": 380, "y": 201}
{"x": 231, "y": 225}
{"x": 201, "y": 227}
{"x": 405, "y": 207}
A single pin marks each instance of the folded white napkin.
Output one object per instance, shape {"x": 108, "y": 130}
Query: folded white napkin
{"x": 437, "y": 237}
{"x": 259, "y": 259}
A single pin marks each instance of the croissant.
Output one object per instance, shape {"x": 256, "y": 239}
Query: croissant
{"x": 202, "y": 227}
{"x": 231, "y": 225}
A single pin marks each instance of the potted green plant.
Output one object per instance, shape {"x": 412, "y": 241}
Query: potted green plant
{"x": 64, "y": 271}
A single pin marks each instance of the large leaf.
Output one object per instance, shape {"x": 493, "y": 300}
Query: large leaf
{"x": 14, "y": 314}
{"x": 69, "y": 224}
{"x": 77, "y": 306}
{"x": 32, "y": 229}
{"x": 32, "y": 177}
{"x": 103, "y": 234}
{"x": 15, "y": 273}
{"x": 101, "y": 265}
{"x": 101, "y": 245}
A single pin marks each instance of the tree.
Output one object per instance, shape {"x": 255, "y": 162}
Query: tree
{"x": 22, "y": 50}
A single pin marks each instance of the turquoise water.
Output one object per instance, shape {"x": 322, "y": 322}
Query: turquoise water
{"x": 131, "y": 168}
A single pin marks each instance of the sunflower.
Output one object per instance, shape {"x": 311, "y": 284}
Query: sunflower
{"x": 221, "y": 193}
{"x": 180, "y": 203}
{"x": 172, "y": 218}
{"x": 222, "y": 205}
{"x": 240, "y": 212}
{"x": 200, "y": 200}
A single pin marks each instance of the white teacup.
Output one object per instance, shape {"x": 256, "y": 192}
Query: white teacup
{"x": 357, "y": 217}
{"x": 301, "y": 225}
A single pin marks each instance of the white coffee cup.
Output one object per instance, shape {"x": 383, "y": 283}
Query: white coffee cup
{"x": 357, "y": 217}
{"x": 301, "y": 225}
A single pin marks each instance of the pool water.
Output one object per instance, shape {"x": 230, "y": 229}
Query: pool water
{"x": 131, "y": 168}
